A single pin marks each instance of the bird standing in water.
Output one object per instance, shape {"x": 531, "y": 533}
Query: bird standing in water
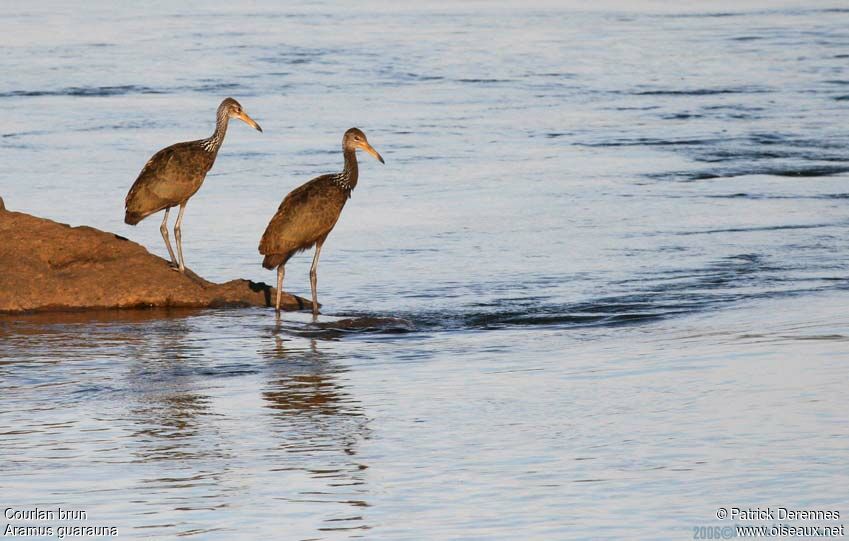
{"x": 175, "y": 173}
{"x": 307, "y": 215}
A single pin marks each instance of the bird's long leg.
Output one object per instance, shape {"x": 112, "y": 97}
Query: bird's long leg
{"x": 177, "y": 234}
{"x": 314, "y": 278}
{"x": 164, "y": 230}
{"x": 280, "y": 273}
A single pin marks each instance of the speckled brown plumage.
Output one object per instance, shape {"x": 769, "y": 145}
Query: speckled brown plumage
{"x": 308, "y": 213}
{"x": 168, "y": 179}
{"x": 176, "y": 173}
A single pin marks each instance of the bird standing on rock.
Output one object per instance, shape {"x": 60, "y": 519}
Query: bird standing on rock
{"x": 176, "y": 173}
{"x": 308, "y": 214}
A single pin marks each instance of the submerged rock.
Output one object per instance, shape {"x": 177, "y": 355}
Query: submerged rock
{"x": 368, "y": 324}
{"x": 45, "y": 265}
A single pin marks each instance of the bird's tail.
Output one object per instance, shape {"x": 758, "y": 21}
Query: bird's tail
{"x": 272, "y": 261}
{"x": 133, "y": 218}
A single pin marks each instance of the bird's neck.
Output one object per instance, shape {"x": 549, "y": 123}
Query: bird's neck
{"x": 348, "y": 177}
{"x": 213, "y": 143}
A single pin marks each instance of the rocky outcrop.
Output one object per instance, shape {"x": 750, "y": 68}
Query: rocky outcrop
{"x": 45, "y": 265}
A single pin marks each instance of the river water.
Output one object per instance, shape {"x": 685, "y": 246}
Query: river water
{"x": 619, "y": 230}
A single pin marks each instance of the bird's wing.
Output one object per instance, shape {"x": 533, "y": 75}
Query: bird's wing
{"x": 166, "y": 179}
{"x": 308, "y": 213}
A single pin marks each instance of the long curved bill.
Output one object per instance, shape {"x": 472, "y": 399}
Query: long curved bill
{"x": 249, "y": 121}
{"x": 370, "y": 149}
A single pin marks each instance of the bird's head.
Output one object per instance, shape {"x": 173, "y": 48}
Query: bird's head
{"x": 233, "y": 109}
{"x": 355, "y": 138}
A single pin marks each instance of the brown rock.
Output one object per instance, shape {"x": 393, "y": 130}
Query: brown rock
{"x": 45, "y": 265}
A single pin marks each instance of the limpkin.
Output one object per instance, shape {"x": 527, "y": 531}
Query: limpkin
{"x": 176, "y": 173}
{"x": 308, "y": 213}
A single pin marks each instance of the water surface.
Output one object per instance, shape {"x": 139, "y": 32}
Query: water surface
{"x": 618, "y": 230}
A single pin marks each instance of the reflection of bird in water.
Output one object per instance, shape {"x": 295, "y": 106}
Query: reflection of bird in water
{"x": 174, "y": 413}
{"x": 317, "y": 422}
{"x": 305, "y": 393}
{"x": 175, "y": 173}
{"x": 304, "y": 380}
{"x": 310, "y": 403}
{"x": 168, "y": 406}
{"x": 308, "y": 214}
